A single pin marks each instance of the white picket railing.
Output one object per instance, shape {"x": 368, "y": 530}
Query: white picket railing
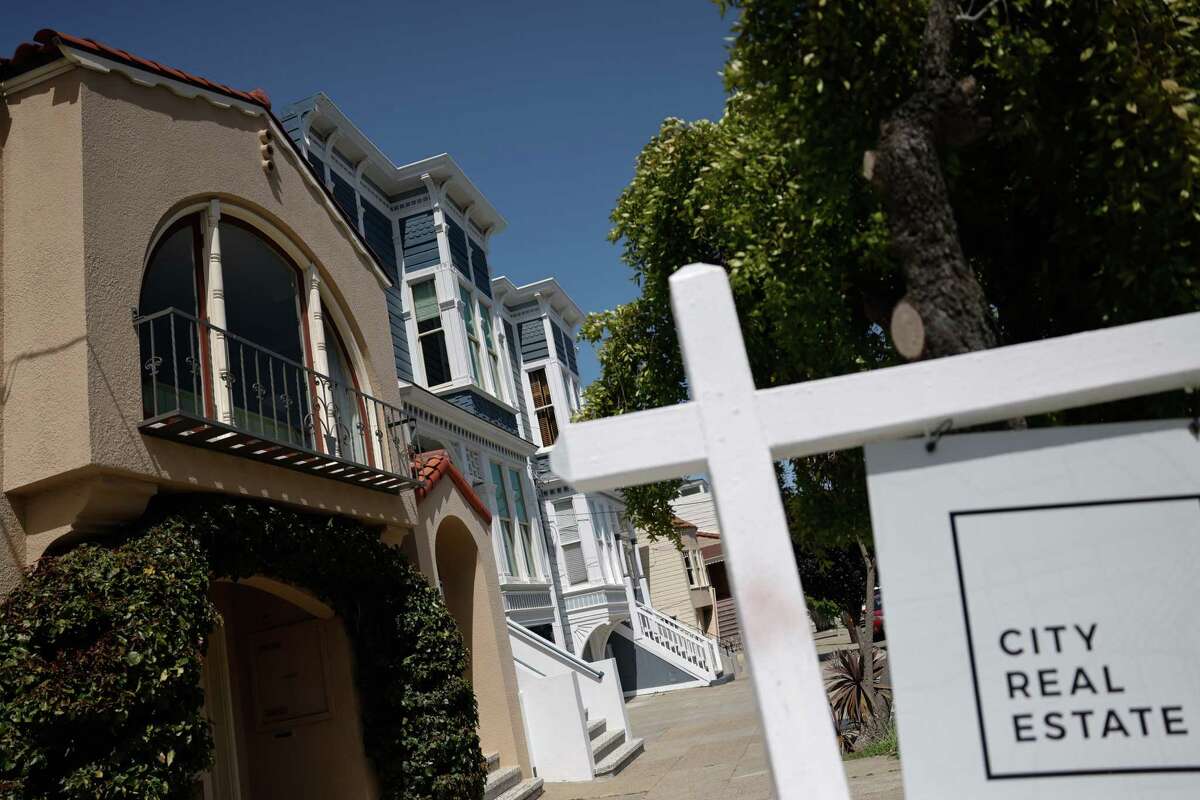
{"x": 695, "y": 648}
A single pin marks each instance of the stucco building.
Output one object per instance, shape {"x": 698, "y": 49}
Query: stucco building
{"x": 185, "y": 307}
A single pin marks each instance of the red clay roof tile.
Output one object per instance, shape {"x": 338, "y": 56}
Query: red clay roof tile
{"x": 45, "y": 48}
{"x": 428, "y": 468}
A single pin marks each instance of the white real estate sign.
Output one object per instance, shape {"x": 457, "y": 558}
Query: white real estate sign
{"x": 1039, "y": 596}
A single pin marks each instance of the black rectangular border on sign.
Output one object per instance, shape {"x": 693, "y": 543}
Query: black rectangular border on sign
{"x": 962, "y": 592}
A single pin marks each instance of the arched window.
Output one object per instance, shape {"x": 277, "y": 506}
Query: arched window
{"x": 256, "y": 375}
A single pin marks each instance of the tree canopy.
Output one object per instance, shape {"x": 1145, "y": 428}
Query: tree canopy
{"x": 1074, "y": 205}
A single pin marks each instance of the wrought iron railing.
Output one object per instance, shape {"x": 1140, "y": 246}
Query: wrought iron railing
{"x": 264, "y": 405}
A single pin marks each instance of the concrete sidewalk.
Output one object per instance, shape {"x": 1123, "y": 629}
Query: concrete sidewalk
{"x": 706, "y": 744}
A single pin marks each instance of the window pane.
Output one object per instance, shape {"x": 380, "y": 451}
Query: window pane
{"x": 509, "y": 549}
{"x": 172, "y": 374}
{"x": 435, "y": 357}
{"x": 170, "y": 279}
{"x": 261, "y": 295}
{"x": 501, "y": 496}
{"x": 342, "y": 419}
{"x": 518, "y": 491}
{"x": 468, "y": 310}
{"x": 525, "y": 550}
{"x": 262, "y": 306}
{"x": 425, "y": 302}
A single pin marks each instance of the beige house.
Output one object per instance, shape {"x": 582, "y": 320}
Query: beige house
{"x": 183, "y": 308}
{"x": 678, "y": 579}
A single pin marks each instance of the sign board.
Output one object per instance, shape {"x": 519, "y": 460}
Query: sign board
{"x": 1040, "y": 602}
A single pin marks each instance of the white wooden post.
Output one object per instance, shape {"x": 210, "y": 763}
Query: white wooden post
{"x": 734, "y": 432}
{"x": 221, "y": 377}
{"x": 784, "y": 667}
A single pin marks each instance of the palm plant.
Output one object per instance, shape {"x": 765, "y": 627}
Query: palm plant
{"x": 845, "y": 684}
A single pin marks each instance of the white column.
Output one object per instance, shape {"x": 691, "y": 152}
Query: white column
{"x": 214, "y": 303}
{"x": 325, "y": 435}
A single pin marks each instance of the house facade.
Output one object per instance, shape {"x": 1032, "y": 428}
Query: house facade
{"x": 186, "y": 308}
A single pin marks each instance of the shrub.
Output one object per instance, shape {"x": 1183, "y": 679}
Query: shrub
{"x": 846, "y": 684}
{"x": 825, "y": 613}
{"x": 100, "y": 654}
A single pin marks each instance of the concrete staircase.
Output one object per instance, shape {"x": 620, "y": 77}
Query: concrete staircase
{"x": 610, "y": 751}
{"x": 504, "y": 783}
{"x": 575, "y": 716}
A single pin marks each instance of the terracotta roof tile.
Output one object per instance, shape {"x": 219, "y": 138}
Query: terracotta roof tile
{"x": 45, "y": 48}
{"x": 429, "y": 468}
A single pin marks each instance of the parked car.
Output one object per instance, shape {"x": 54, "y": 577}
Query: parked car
{"x": 877, "y": 633}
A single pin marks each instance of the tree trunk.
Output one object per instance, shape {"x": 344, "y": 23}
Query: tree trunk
{"x": 866, "y": 638}
{"x": 951, "y": 313}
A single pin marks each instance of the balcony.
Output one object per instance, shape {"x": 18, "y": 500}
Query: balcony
{"x": 702, "y": 596}
{"x": 206, "y": 387}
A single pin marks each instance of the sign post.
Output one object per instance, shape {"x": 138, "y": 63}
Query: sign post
{"x": 734, "y": 432}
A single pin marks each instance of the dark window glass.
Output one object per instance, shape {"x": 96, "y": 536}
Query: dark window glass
{"x": 262, "y": 311}
{"x": 170, "y": 363}
{"x": 437, "y": 360}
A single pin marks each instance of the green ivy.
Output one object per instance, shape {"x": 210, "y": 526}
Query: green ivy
{"x": 100, "y": 654}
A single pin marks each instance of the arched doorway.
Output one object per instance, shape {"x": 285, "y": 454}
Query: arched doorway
{"x": 279, "y": 688}
{"x": 596, "y": 647}
{"x": 463, "y": 577}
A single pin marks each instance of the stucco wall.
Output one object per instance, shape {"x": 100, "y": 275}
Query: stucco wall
{"x": 472, "y": 592}
{"x": 93, "y": 166}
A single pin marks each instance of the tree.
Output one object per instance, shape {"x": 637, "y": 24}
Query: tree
{"x": 1000, "y": 174}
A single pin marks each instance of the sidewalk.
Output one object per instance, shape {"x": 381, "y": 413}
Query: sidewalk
{"x": 705, "y": 744}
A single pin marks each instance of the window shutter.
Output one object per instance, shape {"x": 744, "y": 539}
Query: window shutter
{"x": 564, "y": 518}
{"x": 547, "y": 426}
{"x": 576, "y": 568}
{"x": 425, "y": 303}
{"x": 539, "y": 388}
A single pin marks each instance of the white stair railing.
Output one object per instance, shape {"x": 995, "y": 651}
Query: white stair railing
{"x": 695, "y": 648}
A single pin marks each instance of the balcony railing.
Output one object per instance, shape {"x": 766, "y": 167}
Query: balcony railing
{"x": 205, "y": 386}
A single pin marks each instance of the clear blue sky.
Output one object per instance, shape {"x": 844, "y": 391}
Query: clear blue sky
{"x": 544, "y": 104}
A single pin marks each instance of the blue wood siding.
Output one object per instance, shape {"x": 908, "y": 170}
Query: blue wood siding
{"x": 403, "y": 358}
{"x": 483, "y": 408}
{"x": 458, "y": 246}
{"x": 344, "y": 195}
{"x": 479, "y": 267}
{"x": 377, "y": 230}
{"x": 513, "y": 356}
{"x": 533, "y": 340}
{"x": 419, "y": 241}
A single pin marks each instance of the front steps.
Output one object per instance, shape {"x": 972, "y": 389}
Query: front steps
{"x": 504, "y": 783}
{"x": 610, "y": 751}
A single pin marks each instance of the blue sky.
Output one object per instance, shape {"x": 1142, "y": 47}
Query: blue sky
{"x": 544, "y": 104}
